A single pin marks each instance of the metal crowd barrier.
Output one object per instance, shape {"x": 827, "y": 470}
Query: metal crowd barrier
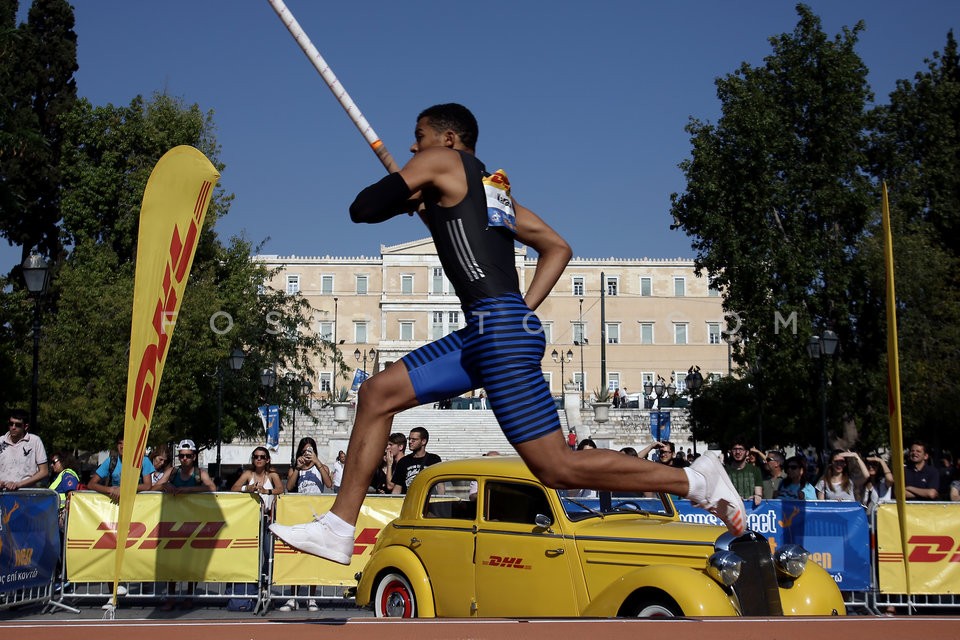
{"x": 182, "y": 525}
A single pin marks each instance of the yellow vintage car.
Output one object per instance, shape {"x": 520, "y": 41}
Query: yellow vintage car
{"x": 484, "y": 538}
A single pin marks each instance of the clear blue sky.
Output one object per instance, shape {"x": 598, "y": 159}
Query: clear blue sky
{"x": 582, "y": 103}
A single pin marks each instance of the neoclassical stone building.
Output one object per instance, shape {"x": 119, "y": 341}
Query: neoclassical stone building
{"x": 635, "y": 319}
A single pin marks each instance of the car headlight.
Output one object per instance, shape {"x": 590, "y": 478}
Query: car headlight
{"x": 791, "y": 560}
{"x": 724, "y": 567}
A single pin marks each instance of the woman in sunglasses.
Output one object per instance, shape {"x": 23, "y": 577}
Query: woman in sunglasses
{"x": 839, "y": 482}
{"x": 260, "y": 478}
{"x": 795, "y": 485}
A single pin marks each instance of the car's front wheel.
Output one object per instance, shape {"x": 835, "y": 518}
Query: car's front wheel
{"x": 395, "y": 597}
{"x": 652, "y": 606}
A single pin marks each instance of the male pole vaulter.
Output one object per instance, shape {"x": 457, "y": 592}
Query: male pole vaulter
{"x": 474, "y": 221}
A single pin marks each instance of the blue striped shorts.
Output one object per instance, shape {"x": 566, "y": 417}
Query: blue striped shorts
{"x": 500, "y": 349}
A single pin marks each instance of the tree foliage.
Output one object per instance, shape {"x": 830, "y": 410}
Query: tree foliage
{"x": 108, "y": 158}
{"x": 782, "y": 205}
{"x": 37, "y": 63}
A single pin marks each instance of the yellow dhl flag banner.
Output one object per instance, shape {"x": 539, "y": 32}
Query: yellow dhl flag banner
{"x": 174, "y": 205}
{"x": 204, "y": 537}
{"x": 292, "y": 567}
{"x": 933, "y": 548}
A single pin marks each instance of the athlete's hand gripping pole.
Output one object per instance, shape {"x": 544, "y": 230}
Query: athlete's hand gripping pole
{"x": 328, "y": 76}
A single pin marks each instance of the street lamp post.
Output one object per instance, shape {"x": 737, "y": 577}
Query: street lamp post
{"x": 583, "y": 339}
{"x": 660, "y": 388}
{"x": 298, "y": 388}
{"x": 235, "y": 361}
{"x": 36, "y": 275}
{"x": 566, "y": 357}
{"x": 693, "y": 382}
{"x": 730, "y": 338}
{"x": 358, "y": 354}
{"x": 825, "y": 346}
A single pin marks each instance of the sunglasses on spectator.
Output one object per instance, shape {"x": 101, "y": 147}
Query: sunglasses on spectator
{"x": 260, "y": 456}
{"x": 16, "y": 423}
{"x": 55, "y": 461}
{"x": 183, "y": 456}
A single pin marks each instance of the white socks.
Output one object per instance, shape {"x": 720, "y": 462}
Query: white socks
{"x": 698, "y": 486}
{"x": 338, "y": 526}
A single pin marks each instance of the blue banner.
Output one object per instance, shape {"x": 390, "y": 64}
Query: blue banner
{"x": 836, "y": 534}
{"x": 660, "y": 425}
{"x": 29, "y": 538}
{"x": 359, "y": 377}
{"x": 270, "y": 417}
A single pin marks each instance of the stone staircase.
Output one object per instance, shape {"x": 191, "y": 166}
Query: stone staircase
{"x": 458, "y": 433}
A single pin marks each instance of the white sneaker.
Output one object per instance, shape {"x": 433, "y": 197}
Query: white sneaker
{"x": 721, "y": 499}
{"x": 289, "y": 605}
{"x": 121, "y": 590}
{"x": 312, "y": 605}
{"x": 316, "y": 538}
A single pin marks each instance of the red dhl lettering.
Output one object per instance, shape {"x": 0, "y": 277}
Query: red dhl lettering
{"x": 934, "y": 549}
{"x": 367, "y": 537}
{"x": 506, "y": 562}
{"x": 180, "y": 253}
{"x": 166, "y": 535}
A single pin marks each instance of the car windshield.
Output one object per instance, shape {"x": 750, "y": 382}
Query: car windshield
{"x": 579, "y": 505}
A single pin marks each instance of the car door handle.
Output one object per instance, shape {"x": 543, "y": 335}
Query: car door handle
{"x": 553, "y": 553}
{"x": 414, "y": 541}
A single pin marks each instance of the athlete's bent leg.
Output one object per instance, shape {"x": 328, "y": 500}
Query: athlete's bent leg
{"x": 380, "y": 398}
{"x": 705, "y": 482}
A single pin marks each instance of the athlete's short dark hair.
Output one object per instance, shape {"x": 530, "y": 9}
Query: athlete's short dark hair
{"x": 423, "y": 433}
{"x": 455, "y": 117}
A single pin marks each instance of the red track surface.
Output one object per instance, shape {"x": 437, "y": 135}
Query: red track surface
{"x": 849, "y": 628}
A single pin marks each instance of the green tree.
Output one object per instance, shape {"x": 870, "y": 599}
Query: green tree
{"x": 914, "y": 149}
{"x": 776, "y": 204}
{"x": 109, "y": 154}
{"x": 37, "y": 63}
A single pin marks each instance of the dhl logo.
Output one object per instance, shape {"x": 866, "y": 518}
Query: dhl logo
{"x": 180, "y": 255}
{"x": 506, "y": 562}
{"x": 362, "y": 543}
{"x": 927, "y": 549}
{"x": 166, "y": 535}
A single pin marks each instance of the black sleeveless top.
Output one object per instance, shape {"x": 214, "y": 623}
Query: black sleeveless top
{"x": 477, "y": 257}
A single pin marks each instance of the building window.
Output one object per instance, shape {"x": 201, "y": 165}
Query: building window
{"x": 613, "y": 381}
{"x": 679, "y": 287}
{"x": 360, "y": 332}
{"x": 680, "y": 381}
{"x": 406, "y": 330}
{"x": 406, "y": 284}
{"x": 293, "y": 284}
{"x": 437, "y": 281}
{"x": 713, "y": 333}
{"x": 325, "y": 381}
{"x": 680, "y": 333}
{"x": 613, "y": 333}
{"x": 646, "y": 333}
{"x": 580, "y": 332}
{"x": 547, "y": 331}
{"x": 549, "y": 379}
{"x": 578, "y": 286}
{"x": 613, "y": 285}
{"x": 326, "y": 331}
{"x": 713, "y": 292}
{"x": 579, "y": 380}
{"x": 646, "y": 287}
{"x": 326, "y": 285}
{"x": 362, "y": 283}
{"x": 443, "y": 323}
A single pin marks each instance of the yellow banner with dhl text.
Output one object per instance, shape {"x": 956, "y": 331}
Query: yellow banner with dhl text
{"x": 174, "y": 206}
{"x": 293, "y": 567}
{"x": 204, "y": 537}
{"x": 933, "y": 547}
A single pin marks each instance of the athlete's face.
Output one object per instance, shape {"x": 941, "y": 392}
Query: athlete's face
{"x": 426, "y": 136}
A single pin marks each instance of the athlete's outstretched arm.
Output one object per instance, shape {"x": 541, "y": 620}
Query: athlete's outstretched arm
{"x": 554, "y": 253}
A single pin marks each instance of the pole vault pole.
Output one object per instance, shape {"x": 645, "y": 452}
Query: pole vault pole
{"x": 328, "y": 76}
